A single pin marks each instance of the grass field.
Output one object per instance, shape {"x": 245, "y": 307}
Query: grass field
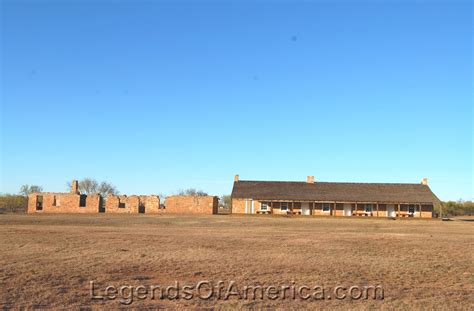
{"x": 50, "y": 260}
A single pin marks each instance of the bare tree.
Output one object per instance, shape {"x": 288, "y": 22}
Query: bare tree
{"x": 192, "y": 192}
{"x": 225, "y": 201}
{"x": 25, "y": 190}
{"x": 106, "y": 188}
{"x": 90, "y": 185}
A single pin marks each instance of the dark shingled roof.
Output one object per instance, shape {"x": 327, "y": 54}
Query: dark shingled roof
{"x": 333, "y": 191}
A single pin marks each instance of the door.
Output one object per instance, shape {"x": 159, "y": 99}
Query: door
{"x": 305, "y": 209}
{"x": 390, "y": 210}
{"x": 249, "y": 206}
{"x": 347, "y": 209}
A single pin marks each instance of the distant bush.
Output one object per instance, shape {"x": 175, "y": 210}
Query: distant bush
{"x": 12, "y": 203}
{"x": 453, "y": 208}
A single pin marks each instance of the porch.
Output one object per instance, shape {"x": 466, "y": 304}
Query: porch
{"x": 336, "y": 208}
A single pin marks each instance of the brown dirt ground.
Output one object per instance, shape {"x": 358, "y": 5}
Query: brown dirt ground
{"x": 49, "y": 260}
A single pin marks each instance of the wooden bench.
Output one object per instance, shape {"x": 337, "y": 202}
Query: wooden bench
{"x": 361, "y": 213}
{"x": 264, "y": 212}
{"x": 405, "y": 214}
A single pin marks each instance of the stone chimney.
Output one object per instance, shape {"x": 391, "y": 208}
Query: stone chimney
{"x": 310, "y": 179}
{"x": 424, "y": 181}
{"x": 75, "y": 187}
{"x": 236, "y": 178}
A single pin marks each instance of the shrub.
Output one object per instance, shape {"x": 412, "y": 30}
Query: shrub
{"x": 11, "y": 203}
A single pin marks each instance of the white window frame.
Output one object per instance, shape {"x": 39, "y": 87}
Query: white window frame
{"x": 326, "y": 205}
{"x": 264, "y": 206}
{"x": 286, "y": 204}
{"x": 366, "y": 206}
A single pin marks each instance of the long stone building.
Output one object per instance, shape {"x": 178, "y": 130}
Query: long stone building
{"x": 333, "y": 198}
{"x": 76, "y": 203}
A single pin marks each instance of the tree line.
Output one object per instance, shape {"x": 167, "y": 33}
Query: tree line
{"x": 455, "y": 208}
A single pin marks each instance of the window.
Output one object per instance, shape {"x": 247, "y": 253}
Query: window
{"x": 39, "y": 202}
{"x": 326, "y": 207}
{"x": 56, "y": 201}
{"x": 368, "y": 208}
{"x": 82, "y": 200}
{"x": 264, "y": 206}
{"x": 284, "y": 206}
{"x": 121, "y": 204}
{"x": 411, "y": 209}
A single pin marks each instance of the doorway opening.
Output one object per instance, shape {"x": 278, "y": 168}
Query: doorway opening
{"x": 39, "y": 202}
{"x": 141, "y": 208}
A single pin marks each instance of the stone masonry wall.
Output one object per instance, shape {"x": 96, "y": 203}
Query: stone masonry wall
{"x": 150, "y": 204}
{"x": 143, "y": 204}
{"x": 191, "y": 205}
{"x": 63, "y": 203}
{"x": 122, "y": 204}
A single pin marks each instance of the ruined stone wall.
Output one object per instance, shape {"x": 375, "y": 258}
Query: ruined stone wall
{"x": 51, "y": 202}
{"x": 191, "y": 205}
{"x": 122, "y": 204}
{"x": 150, "y": 204}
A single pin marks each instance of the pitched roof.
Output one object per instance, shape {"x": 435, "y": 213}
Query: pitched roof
{"x": 334, "y": 191}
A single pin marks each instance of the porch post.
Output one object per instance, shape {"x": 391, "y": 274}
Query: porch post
{"x": 377, "y": 204}
{"x": 419, "y": 209}
{"x": 334, "y": 211}
{"x": 292, "y": 205}
{"x": 356, "y": 209}
{"x": 398, "y": 214}
{"x": 271, "y": 207}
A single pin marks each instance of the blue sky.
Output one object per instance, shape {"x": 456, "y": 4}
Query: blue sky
{"x": 161, "y": 96}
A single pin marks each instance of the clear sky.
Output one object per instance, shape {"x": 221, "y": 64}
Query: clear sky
{"x": 160, "y": 96}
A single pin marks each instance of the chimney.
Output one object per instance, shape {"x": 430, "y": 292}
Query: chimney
{"x": 75, "y": 187}
{"x": 236, "y": 178}
{"x": 424, "y": 181}
{"x": 310, "y": 179}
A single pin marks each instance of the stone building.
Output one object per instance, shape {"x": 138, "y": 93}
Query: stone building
{"x": 333, "y": 198}
{"x": 74, "y": 202}
{"x": 58, "y": 202}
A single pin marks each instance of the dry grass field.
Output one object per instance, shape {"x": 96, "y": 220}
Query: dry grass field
{"x": 48, "y": 261}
